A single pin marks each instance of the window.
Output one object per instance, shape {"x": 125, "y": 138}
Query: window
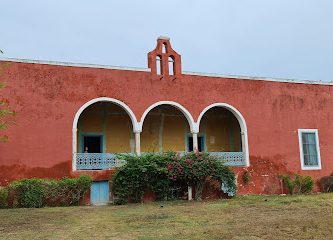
{"x": 309, "y": 149}
{"x": 158, "y": 65}
{"x": 164, "y": 48}
{"x": 92, "y": 144}
{"x": 171, "y": 63}
{"x": 190, "y": 143}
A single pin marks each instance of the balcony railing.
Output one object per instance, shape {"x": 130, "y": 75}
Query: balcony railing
{"x": 230, "y": 158}
{"x": 101, "y": 161}
{"x": 97, "y": 161}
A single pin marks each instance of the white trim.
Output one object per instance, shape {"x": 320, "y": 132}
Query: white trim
{"x": 87, "y": 104}
{"x": 186, "y": 113}
{"x": 163, "y": 38}
{"x": 70, "y": 64}
{"x": 242, "y": 124}
{"x": 315, "y": 131}
{"x": 137, "y": 143}
{"x": 253, "y": 78}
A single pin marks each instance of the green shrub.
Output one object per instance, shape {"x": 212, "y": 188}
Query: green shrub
{"x": 246, "y": 177}
{"x": 3, "y": 197}
{"x": 296, "y": 183}
{"x": 141, "y": 173}
{"x": 119, "y": 201}
{"x": 304, "y": 184}
{"x": 289, "y": 183}
{"x": 326, "y": 183}
{"x": 29, "y": 193}
{"x": 167, "y": 174}
{"x": 36, "y": 193}
{"x": 71, "y": 190}
{"x": 195, "y": 169}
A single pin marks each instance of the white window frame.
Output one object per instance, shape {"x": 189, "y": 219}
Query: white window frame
{"x": 315, "y": 131}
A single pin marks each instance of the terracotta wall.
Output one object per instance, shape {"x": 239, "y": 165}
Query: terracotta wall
{"x": 47, "y": 97}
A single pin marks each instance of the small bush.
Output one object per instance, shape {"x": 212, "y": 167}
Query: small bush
{"x": 29, "y": 193}
{"x": 326, "y": 183}
{"x": 246, "y": 177}
{"x": 289, "y": 183}
{"x": 304, "y": 184}
{"x": 36, "y": 193}
{"x": 119, "y": 201}
{"x": 71, "y": 190}
{"x": 3, "y": 197}
{"x": 196, "y": 169}
{"x": 141, "y": 173}
{"x": 298, "y": 184}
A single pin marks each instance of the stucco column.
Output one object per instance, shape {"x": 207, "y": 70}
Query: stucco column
{"x": 195, "y": 148}
{"x": 189, "y": 193}
{"x": 137, "y": 143}
{"x": 74, "y": 148}
{"x": 195, "y": 141}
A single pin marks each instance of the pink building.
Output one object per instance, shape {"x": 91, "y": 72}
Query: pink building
{"x": 73, "y": 118}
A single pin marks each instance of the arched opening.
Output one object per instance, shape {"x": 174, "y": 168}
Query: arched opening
{"x": 164, "y": 48}
{"x": 165, "y": 128}
{"x": 222, "y": 131}
{"x": 171, "y": 64}
{"x": 102, "y": 128}
{"x": 158, "y": 65}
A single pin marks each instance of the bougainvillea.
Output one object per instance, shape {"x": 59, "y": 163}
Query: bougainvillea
{"x": 166, "y": 173}
{"x": 195, "y": 169}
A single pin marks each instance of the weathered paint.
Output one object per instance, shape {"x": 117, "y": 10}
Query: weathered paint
{"x": 47, "y": 97}
{"x": 221, "y": 131}
{"x": 111, "y": 122}
{"x": 99, "y": 193}
{"x": 164, "y": 129}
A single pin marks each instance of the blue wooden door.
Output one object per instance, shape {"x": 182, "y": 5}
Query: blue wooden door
{"x": 99, "y": 193}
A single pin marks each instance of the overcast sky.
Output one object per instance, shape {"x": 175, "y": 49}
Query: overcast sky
{"x": 268, "y": 38}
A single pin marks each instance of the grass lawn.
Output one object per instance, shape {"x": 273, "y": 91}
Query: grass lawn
{"x": 247, "y": 217}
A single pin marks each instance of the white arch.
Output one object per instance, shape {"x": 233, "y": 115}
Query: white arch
{"x": 186, "y": 113}
{"x": 242, "y": 124}
{"x": 87, "y": 104}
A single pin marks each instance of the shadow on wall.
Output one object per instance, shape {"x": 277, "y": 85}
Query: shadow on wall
{"x": 14, "y": 172}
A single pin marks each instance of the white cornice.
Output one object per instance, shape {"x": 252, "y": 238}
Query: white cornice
{"x": 258, "y": 78}
{"x": 69, "y": 64}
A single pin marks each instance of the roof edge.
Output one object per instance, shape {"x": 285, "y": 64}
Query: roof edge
{"x": 284, "y": 80}
{"x": 70, "y": 64}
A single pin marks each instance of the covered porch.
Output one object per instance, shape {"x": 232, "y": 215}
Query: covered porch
{"x": 106, "y": 129}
